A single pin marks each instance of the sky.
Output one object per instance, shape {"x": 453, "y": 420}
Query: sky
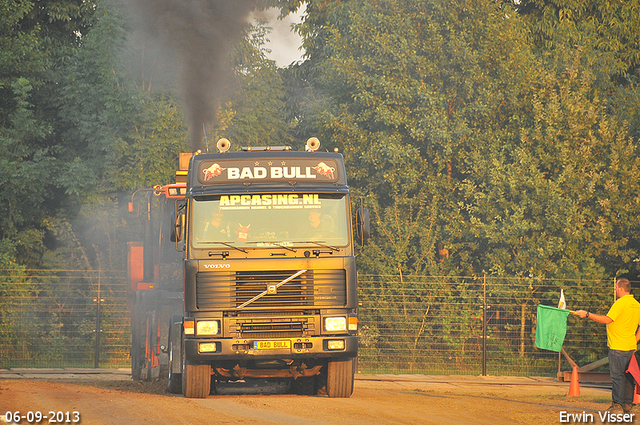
{"x": 284, "y": 44}
{"x": 195, "y": 38}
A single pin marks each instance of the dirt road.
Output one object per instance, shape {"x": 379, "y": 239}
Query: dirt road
{"x": 376, "y": 400}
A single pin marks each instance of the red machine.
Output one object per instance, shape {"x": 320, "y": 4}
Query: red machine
{"x": 155, "y": 275}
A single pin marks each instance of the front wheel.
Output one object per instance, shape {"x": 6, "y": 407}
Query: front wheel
{"x": 196, "y": 378}
{"x": 340, "y": 375}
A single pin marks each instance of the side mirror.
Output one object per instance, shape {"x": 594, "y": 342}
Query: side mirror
{"x": 363, "y": 228}
{"x": 177, "y": 230}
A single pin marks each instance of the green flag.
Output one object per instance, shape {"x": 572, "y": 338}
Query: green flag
{"x": 551, "y": 328}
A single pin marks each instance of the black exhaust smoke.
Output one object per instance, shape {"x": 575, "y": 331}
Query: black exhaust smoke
{"x": 199, "y": 35}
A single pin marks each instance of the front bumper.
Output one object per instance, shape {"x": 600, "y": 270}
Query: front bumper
{"x": 324, "y": 347}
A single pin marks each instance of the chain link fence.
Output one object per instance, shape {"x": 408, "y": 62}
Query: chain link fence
{"x": 437, "y": 325}
{"x": 417, "y": 324}
{"x": 63, "y": 318}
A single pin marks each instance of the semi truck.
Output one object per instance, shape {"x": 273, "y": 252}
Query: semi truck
{"x": 269, "y": 285}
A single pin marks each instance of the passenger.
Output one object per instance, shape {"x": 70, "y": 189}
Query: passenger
{"x": 314, "y": 218}
{"x": 320, "y": 226}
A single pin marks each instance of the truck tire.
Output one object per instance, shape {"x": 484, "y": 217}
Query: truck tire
{"x": 196, "y": 378}
{"x": 340, "y": 375}
{"x": 150, "y": 345}
{"x": 174, "y": 342}
{"x": 174, "y": 381}
{"x": 135, "y": 358}
{"x": 137, "y": 346}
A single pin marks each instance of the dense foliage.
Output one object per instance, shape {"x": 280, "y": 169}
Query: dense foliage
{"x": 486, "y": 137}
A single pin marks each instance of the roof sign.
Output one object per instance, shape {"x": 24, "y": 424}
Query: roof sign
{"x": 268, "y": 170}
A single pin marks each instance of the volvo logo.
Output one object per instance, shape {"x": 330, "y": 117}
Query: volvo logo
{"x": 218, "y": 266}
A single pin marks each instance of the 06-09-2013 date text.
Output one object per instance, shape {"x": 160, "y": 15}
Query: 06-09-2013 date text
{"x": 37, "y": 417}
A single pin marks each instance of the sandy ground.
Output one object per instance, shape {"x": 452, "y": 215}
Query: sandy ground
{"x": 377, "y": 399}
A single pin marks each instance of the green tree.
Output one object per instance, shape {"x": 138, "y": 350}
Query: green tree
{"x": 606, "y": 26}
{"x": 410, "y": 91}
{"x": 607, "y": 36}
{"x": 34, "y": 36}
{"x": 117, "y": 134}
{"x": 21, "y": 55}
{"x": 15, "y": 288}
{"x": 26, "y": 167}
{"x": 254, "y": 113}
{"x": 462, "y": 136}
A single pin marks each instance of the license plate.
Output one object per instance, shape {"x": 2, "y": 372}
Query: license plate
{"x": 271, "y": 345}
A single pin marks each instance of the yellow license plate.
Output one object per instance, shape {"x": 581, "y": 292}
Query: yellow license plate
{"x": 271, "y": 345}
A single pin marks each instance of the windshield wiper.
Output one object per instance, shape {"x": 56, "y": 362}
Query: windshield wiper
{"x": 278, "y": 244}
{"x": 225, "y": 244}
{"x": 321, "y": 244}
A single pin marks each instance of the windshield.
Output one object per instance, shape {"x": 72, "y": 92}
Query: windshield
{"x": 267, "y": 220}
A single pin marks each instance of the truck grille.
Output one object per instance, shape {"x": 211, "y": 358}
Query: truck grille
{"x": 314, "y": 288}
{"x": 277, "y": 327}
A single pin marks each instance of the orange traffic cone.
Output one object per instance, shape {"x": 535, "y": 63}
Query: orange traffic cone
{"x": 574, "y": 387}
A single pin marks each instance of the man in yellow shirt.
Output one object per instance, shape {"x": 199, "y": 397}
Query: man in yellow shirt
{"x": 623, "y": 334}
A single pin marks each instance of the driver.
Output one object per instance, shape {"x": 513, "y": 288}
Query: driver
{"x": 215, "y": 229}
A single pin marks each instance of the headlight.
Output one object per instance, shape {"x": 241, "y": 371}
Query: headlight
{"x": 208, "y": 327}
{"x": 207, "y": 347}
{"x": 335, "y": 324}
{"x": 336, "y": 344}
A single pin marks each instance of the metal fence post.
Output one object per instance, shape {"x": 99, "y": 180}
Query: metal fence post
{"x": 97, "y": 351}
{"x": 98, "y": 300}
{"x": 484, "y": 326}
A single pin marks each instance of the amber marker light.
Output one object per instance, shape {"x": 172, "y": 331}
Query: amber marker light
{"x": 353, "y": 323}
{"x": 189, "y": 326}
